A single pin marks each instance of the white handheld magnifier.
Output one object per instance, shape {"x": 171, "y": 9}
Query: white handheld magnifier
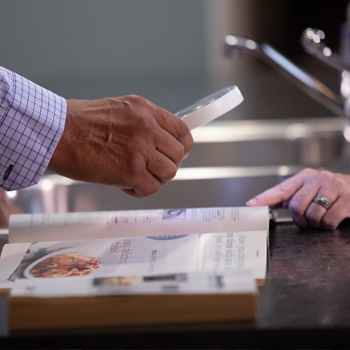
{"x": 211, "y": 107}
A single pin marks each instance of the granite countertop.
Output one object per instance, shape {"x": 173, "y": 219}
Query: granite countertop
{"x": 305, "y": 303}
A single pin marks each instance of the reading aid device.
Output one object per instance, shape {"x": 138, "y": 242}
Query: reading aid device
{"x": 211, "y": 107}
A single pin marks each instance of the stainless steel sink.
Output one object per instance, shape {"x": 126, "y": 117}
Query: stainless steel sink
{"x": 309, "y": 142}
{"x": 231, "y": 162}
{"x": 54, "y": 195}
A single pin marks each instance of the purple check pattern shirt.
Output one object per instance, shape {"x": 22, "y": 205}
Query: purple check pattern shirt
{"x": 31, "y": 124}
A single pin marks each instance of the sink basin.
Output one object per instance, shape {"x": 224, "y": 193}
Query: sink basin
{"x": 231, "y": 162}
{"x": 309, "y": 142}
{"x": 233, "y": 189}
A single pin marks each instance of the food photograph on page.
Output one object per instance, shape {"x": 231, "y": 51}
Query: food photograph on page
{"x": 64, "y": 259}
{"x": 64, "y": 265}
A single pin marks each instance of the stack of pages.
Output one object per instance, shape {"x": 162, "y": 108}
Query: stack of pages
{"x": 126, "y": 268}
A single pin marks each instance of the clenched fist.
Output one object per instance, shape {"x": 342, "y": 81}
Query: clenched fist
{"x": 126, "y": 142}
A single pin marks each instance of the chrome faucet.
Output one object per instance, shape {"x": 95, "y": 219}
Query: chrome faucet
{"x": 312, "y": 41}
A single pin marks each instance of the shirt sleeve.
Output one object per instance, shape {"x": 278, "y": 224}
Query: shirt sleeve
{"x": 31, "y": 123}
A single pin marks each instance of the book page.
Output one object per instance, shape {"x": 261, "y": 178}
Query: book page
{"x": 11, "y": 258}
{"x": 150, "y": 255}
{"x": 232, "y": 282}
{"x": 95, "y": 225}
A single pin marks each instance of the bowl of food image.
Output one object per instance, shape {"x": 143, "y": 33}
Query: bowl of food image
{"x": 63, "y": 264}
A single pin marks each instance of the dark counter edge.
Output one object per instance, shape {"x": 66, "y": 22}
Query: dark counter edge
{"x": 201, "y": 338}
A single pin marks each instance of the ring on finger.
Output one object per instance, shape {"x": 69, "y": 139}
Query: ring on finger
{"x": 323, "y": 201}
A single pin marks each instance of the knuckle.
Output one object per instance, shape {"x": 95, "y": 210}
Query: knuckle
{"x": 283, "y": 189}
{"x": 329, "y": 223}
{"x": 346, "y": 198}
{"x": 146, "y": 189}
{"x": 182, "y": 129}
{"x": 178, "y": 154}
{"x": 298, "y": 222}
{"x": 171, "y": 171}
{"x": 134, "y": 167}
{"x": 130, "y": 103}
{"x": 307, "y": 172}
{"x": 295, "y": 210}
{"x": 340, "y": 183}
{"x": 313, "y": 219}
{"x": 155, "y": 187}
{"x": 324, "y": 176}
{"x": 146, "y": 124}
{"x": 185, "y": 135}
{"x": 135, "y": 99}
{"x": 150, "y": 189}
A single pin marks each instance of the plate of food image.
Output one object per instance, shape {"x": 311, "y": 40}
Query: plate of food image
{"x": 64, "y": 263}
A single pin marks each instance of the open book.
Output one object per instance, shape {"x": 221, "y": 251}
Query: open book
{"x": 134, "y": 267}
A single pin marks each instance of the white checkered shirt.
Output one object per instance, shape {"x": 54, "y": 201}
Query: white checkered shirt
{"x": 31, "y": 124}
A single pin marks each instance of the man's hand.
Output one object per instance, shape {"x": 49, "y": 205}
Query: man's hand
{"x": 298, "y": 193}
{"x": 126, "y": 142}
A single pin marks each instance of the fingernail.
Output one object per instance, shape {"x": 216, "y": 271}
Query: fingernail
{"x": 252, "y": 201}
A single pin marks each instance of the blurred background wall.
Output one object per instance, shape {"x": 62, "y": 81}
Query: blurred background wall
{"x": 169, "y": 51}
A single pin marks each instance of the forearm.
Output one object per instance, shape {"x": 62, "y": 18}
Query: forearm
{"x": 125, "y": 141}
{"x": 31, "y": 123}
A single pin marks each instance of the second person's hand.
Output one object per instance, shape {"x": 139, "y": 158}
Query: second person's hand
{"x": 301, "y": 193}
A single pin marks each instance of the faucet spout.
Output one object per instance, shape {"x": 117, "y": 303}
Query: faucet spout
{"x": 303, "y": 80}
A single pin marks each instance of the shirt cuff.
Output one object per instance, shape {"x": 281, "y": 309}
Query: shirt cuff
{"x": 31, "y": 123}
